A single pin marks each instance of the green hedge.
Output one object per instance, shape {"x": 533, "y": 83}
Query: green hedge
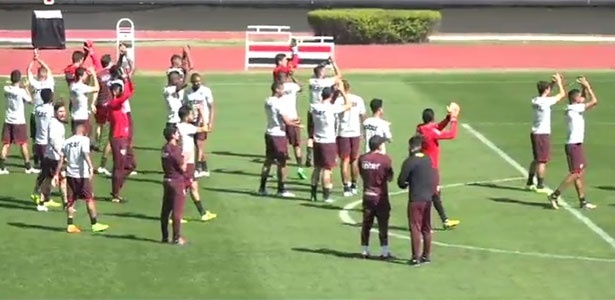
{"x": 374, "y": 26}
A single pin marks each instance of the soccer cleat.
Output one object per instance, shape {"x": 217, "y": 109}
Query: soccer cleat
{"x": 180, "y": 241}
{"x": 32, "y": 171}
{"x": 52, "y": 203}
{"x": 308, "y": 163}
{"x": 197, "y": 174}
{"x": 208, "y": 216}
{"x": 329, "y": 200}
{"x": 414, "y": 262}
{"x": 118, "y": 200}
{"x": 365, "y": 254}
{"x": 386, "y": 256}
{"x": 450, "y": 223}
{"x": 133, "y": 173}
{"x": 4, "y": 171}
{"x": 99, "y": 227}
{"x": 285, "y": 194}
{"x": 530, "y": 187}
{"x": 205, "y": 173}
{"x": 587, "y": 205}
{"x": 353, "y": 189}
{"x": 36, "y": 198}
{"x": 554, "y": 201}
{"x": 543, "y": 190}
{"x": 425, "y": 260}
{"x": 72, "y": 229}
{"x": 42, "y": 208}
{"x": 103, "y": 171}
{"x": 183, "y": 221}
{"x": 301, "y": 173}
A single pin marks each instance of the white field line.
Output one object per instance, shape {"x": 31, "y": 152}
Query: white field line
{"x": 521, "y": 38}
{"x": 574, "y": 212}
{"x": 345, "y": 217}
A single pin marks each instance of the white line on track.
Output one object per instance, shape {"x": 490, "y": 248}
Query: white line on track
{"x": 574, "y": 212}
{"x": 528, "y": 123}
{"x": 345, "y": 217}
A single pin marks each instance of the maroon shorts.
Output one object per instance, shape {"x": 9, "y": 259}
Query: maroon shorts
{"x": 541, "y": 147}
{"x": 576, "y": 157}
{"x": 325, "y": 155}
{"x": 310, "y": 126}
{"x": 348, "y": 147}
{"x": 381, "y": 210}
{"x": 75, "y": 123}
{"x": 293, "y": 135}
{"x": 49, "y": 167}
{"x": 79, "y": 189}
{"x": 39, "y": 150}
{"x": 276, "y": 148}
{"x": 14, "y": 134}
{"x": 101, "y": 115}
{"x": 189, "y": 175}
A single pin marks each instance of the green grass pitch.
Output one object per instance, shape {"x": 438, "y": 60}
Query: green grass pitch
{"x": 507, "y": 247}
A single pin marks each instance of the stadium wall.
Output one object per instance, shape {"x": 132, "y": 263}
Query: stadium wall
{"x": 332, "y": 3}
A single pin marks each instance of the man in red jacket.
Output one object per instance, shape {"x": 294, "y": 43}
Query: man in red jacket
{"x": 284, "y": 64}
{"x": 123, "y": 160}
{"x": 432, "y": 133}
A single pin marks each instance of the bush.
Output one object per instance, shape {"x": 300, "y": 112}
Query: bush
{"x": 374, "y": 26}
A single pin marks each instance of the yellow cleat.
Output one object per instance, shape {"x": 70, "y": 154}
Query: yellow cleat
{"x": 450, "y": 223}
{"x": 98, "y": 227}
{"x": 72, "y": 229}
{"x": 208, "y": 216}
{"x": 36, "y": 198}
{"x": 52, "y": 203}
{"x": 184, "y": 221}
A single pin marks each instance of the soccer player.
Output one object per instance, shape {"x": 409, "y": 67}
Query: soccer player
{"x": 293, "y": 133}
{"x": 77, "y": 58}
{"x": 79, "y": 94}
{"x": 14, "y": 130}
{"x": 182, "y": 64}
{"x": 100, "y": 108}
{"x": 187, "y": 131}
{"x": 580, "y": 101}
{"x": 376, "y": 125}
{"x": 200, "y": 97}
{"x": 418, "y": 175}
{"x": 174, "y": 189}
{"x": 376, "y": 172}
{"x": 324, "y": 115}
{"x": 317, "y": 83}
{"x": 173, "y": 94}
{"x": 349, "y": 140}
{"x": 276, "y": 145}
{"x": 123, "y": 162}
{"x": 433, "y": 133}
{"x": 42, "y": 80}
{"x": 79, "y": 172}
{"x": 51, "y": 159}
{"x": 541, "y": 132}
{"x": 44, "y": 113}
{"x": 125, "y": 62}
{"x": 284, "y": 64}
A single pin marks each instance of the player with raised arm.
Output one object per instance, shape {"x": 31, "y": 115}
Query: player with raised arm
{"x": 79, "y": 172}
{"x": 187, "y": 132}
{"x": 42, "y": 80}
{"x": 541, "y": 131}
{"x": 433, "y": 133}
{"x": 284, "y": 64}
{"x": 349, "y": 140}
{"x": 324, "y": 115}
{"x": 276, "y": 144}
{"x": 174, "y": 186}
{"x": 200, "y": 97}
{"x": 579, "y": 103}
{"x": 15, "y": 130}
{"x": 100, "y": 109}
{"x": 376, "y": 125}
{"x": 79, "y": 97}
{"x": 181, "y": 64}
{"x": 317, "y": 83}
{"x": 173, "y": 95}
{"x": 293, "y": 133}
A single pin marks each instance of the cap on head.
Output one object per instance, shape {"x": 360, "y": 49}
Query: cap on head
{"x": 428, "y": 115}
{"x": 15, "y": 76}
{"x": 376, "y": 104}
{"x": 415, "y": 143}
{"x": 168, "y": 132}
{"x": 46, "y": 95}
{"x": 375, "y": 142}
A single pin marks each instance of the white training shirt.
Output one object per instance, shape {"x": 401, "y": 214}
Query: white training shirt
{"x": 349, "y": 122}
{"x": 79, "y": 92}
{"x": 202, "y": 98}
{"x": 290, "y": 99}
{"x": 173, "y": 99}
{"x": 576, "y": 123}
{"x": 324, "y": 115}
{"x": 187, "y": 132}
{"x": 38, "y": 85}
{"x": 178, "y": 70}
{"x": 42, "y": 116}
{"x": 317, "y": 85}
{"x": 376, "y": 126}
{"x": 75, "y": 150}
{"x": 56, "y": 135}
{"x": 15, "y": 108}
{"x": 542, "y": 114}
{"x": 274, "y": 110}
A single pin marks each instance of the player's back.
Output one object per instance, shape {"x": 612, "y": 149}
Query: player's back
{"x": 350, "y": 120}
{"x": 375, "y": 169}
{"x": 541, "y": 107}
{"x": 273, "y": 113}
{"x": 15, "y": 108}
{"x": 55, "y": 138}
{"x": 575, "y": 122}
{"x": 75, "y": 150}
{"x": 317, "y": 85}
{"x": 69, "y": 74}
{"x": 104, "y": 82}
{"x": 43, "y": 114}
{"x": 324, "y": 118}
{"x": 373, "y": 126}
{"x": 173, "y": 98}
{"x": 431, "y": 146}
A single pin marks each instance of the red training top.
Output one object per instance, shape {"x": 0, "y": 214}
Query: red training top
{"x": 290, "y": 66}
{"x": 117, "y": 117}
{"x": 432, "y": 134}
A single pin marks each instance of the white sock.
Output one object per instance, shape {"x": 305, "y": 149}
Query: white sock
{"x": 364, "y": 249}
{"x": 385, "y": 250}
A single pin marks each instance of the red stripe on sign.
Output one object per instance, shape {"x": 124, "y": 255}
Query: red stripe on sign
{"x": 284, "y": 48}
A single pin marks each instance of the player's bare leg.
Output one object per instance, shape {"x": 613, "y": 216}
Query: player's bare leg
{"x": 316, "y": 176}
{"x": 201, "y": 164}
{"x": 327, "y": 185}
{"x": 25, "y": 153}
{"x": 102, "y": 169}
{"x": 3, "y": 154}
{"x": 265, "y": 170}
{"x": 537, "y": 170}
{"x": 354, "y": 176}
{"x": 345, "y": 174}
{"x": 577, "y": 179}
{"x": 205, "y": 215}
{"x": 299, "y": 161}
{"x": 282, "y": 173}
{"x": 309, "y": 149}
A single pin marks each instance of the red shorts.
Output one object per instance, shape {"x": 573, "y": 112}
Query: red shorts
{"x": 201, "y": 136}
{"x": 325, "y": 155}
{"x": 101, "y": 115}
{"x": 79, "y": 189}
{"x": 276, "y": 148}
{"x": 541, "y": 147}
{"x": 14, "y": 134}
{"x": 348, "y": 147}
{"x": 575, "y": 157}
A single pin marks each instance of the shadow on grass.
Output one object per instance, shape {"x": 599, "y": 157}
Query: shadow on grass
{"x": 145, "y": 180}
{"x": 143, "y": 148}
{"x": 235, "y": 154}
{"x": 134, "y": 216}
{"x": 127, "y": 237}
{"x": 348, "y": 255}
{"x": 130, "y": 237}
{"x": 327, "y": 206}
{"x": 36, "y": 226}
{"x": 252, "y": 193}
{"x": 520, "y": 202}
{"x": 235, "y": 172}
{"x": 14, "y": 203}
{"x": 606, "y": 187}
{"x": 151, "y": 172}
{"x": 394, "y": 227}
{"x": 498, "y": 186}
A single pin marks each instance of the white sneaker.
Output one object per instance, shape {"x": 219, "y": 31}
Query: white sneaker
{"x": 42, "y": 208}
{"x": 262, "y": 193}
{"x": 348, "y": 194}
{"x": 286, "y": 194}
{"x": 4, "y": 172}
{"x": 205, "y": 173}
{"x": 32, "y": 171}
{"x": 103, "y": 171}
{"x": 133, "y": 173}
{"x": 354, "y": 191}
{"x": 329, "y": 200}
{"x": 198, "y": 174}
